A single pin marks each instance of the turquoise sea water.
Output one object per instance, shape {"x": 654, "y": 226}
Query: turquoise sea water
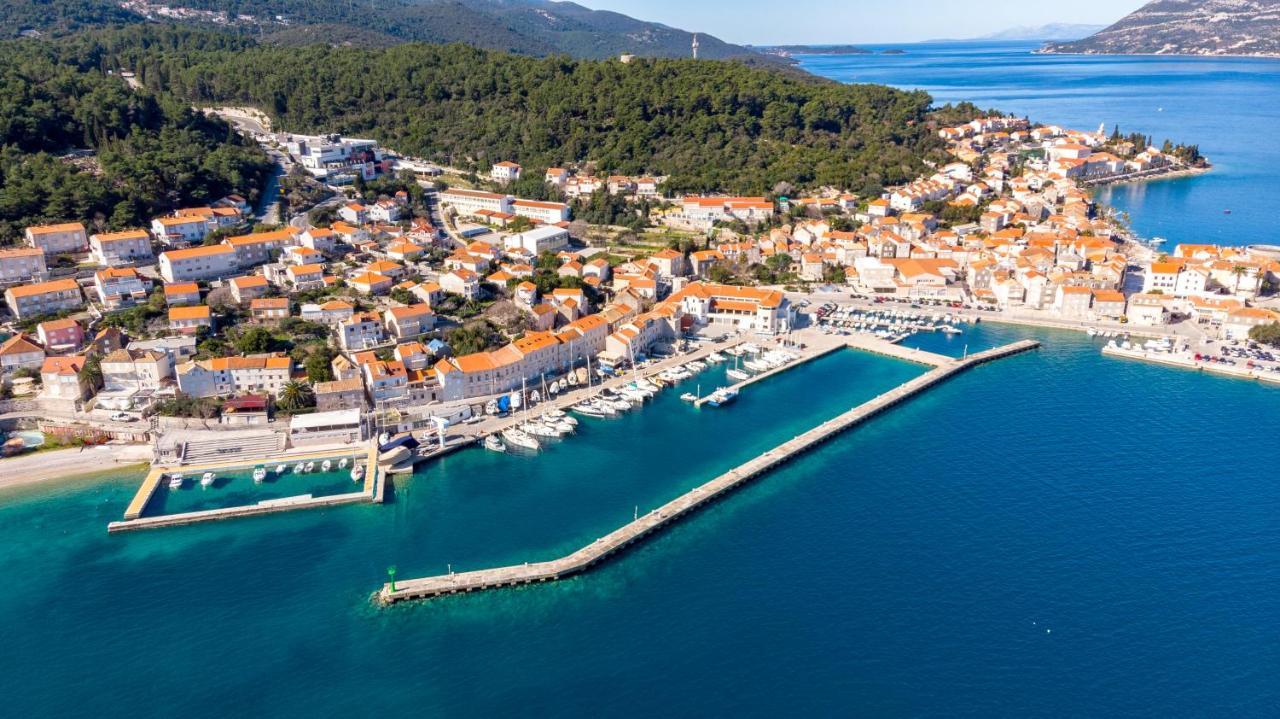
{"x": 1054, "y": 534}
{"x": 1228, "y": 106}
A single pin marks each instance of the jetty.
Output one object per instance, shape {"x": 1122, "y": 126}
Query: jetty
{"x": 372, "y": 491}
{"x": 823, "y": 345}
{"x": 648, "y": 524}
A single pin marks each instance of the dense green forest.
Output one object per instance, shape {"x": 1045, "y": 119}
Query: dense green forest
{"x": 77, "y": 144}
{"x": 711, "y": 126}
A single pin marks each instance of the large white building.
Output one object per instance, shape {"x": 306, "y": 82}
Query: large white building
{"x": 548, "y": 238}
{"x": 20, "y": 265}
{"x": 117, "y": 249}
{"x": 198, "y": 263}
{"x": 546, "y": 212}
{"x": 469, "y": 202}
{"x": 54, "y": 239}
{"x": 223, "y": 376}
{"x": 337, "y": 160}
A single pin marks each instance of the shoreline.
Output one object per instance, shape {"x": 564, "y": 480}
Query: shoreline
{"x": 1152, "y": 177}
{"x": 47, "y": 467}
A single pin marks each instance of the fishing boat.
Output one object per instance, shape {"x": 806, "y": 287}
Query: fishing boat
{"x": 518, "y": 438}
{"x": 298, "y": 468}
{"x": 722, "y": 397}
{"x": 176, "y": 481}
{"x": 207, "y": 479}
{"x": 259, "y": 473}
{"x": 280, "y": 469}
{"x": 310, "y": 467}
{"x": 326, "y": 465}
{"x": 493, "y": 444}
{"x": 357, "y": 473}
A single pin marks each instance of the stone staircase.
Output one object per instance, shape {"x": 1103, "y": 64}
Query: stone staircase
{"x": 232, "y": 447}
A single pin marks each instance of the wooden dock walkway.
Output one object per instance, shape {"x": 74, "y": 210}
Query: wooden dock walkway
{"x": 607, "y": 546}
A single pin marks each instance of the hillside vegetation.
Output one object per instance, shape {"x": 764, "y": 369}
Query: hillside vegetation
{"x": 711, "y": 126}
{"x": 76, "y": 144}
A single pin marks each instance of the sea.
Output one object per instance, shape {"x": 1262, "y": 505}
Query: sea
{"x": 1053, "y": 534}
{"x": 1227, "y": 106}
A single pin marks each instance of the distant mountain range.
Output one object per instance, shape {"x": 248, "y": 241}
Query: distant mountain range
{"x": 532, "y": 27}
{"x": 1188, "y": 27}
{"x": 1052, "y": 31}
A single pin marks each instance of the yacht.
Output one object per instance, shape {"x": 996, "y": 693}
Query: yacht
{"x": 722, "y": 397}
{"x": 518, "y": 438}
{"x": 326, "y": 466}
{"x": 176, "y": 481}
{"x": 259, "y": 473}
{"x": 207, "y": 479}
{"x": 493, "y": 444}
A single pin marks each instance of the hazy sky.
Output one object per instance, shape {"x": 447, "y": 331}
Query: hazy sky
{"x": 762, "y": 22}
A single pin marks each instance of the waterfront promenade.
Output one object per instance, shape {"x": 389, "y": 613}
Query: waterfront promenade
{"x": 651, "y": 522}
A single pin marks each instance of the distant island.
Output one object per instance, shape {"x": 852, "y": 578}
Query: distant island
{"x": 1188, "y": 27}
{"x": 894, "y": 52}
{"x": 790, "y": 50}
{"x": 1052, "y": 31}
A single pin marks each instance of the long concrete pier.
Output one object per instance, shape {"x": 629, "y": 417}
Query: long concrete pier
{"x": 607, "y": 546}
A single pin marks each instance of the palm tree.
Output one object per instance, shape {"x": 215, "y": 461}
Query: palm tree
{"x": 296, "y": 395}
{"x": 1239, "y": 271}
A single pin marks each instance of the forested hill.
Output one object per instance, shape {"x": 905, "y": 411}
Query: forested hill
{"x": 76, "y": 144}
{"x": 531, "y": 27}
{"x": 713, "y": 126}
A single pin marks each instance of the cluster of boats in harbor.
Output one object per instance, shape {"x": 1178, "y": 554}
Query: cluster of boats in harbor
{"x": 260, "y": 474}
{"x": 893, "y": 325}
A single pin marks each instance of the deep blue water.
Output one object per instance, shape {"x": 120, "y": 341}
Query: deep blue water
{"x": 1228, "y": 106}
{"x": 1055, "y": 534}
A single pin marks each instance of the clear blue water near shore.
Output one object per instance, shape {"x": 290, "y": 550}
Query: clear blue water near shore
{"x": 1228, "y": 106}
{"x": 1051, "y": 534}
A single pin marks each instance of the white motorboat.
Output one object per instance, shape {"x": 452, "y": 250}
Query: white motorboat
{"x": 737, "y": 374}
{"x": 357, "y": 473}
{"x": 948, "y": 329}
{"x": 342, "y": 463}
{"x": 176, "y": 481}
{"x": 493, "y": 444}
{"x": 207, "y": 479}
{"x": 280, "y": 469}
{"x": 326, "y": 465}
{"x": 538, "y": 429}
{"x": 757, "y": 366}
{"x": 1092, "y": 332}
{"x": 518, "y": 438}
{"x": 259, "y": 474}
{"x": 298, "y": 468}
{"x": 716, "y": 358}
{"x": 689, "y": 397}
{"x": 590, "y": 409}
{"x": 310, "y": 467}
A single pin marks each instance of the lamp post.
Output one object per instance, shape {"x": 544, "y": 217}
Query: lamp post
{"x": 391, "y": 572}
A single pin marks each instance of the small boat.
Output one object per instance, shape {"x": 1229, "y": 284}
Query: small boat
{"x": 949, "y": 330}
{"x": 689, "y": 397}
{"x": 311, "y": 467}
{"x": 1091, "y": 332}
{"x": 280, "y": 469}
{"x": 259, "y": 473}
{"x": 738, "y": 374}
{"x": 591, "y": 409}
{"x": 207, "y": 479}
{"x": 176, "y": 481}
{"x": 357, "y": 473}
{"x": 493, "y": 444}
{"x": 1226, "y": 212}
{"x": 342, "y": 463}
{"x": 298, "y": 468}
{"x": 326, "y": 466}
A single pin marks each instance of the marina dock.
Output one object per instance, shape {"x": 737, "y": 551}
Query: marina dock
{"x": 650, "y": 523}
{"x": 373, "y": 490}
{"x": 823, "y": 345}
